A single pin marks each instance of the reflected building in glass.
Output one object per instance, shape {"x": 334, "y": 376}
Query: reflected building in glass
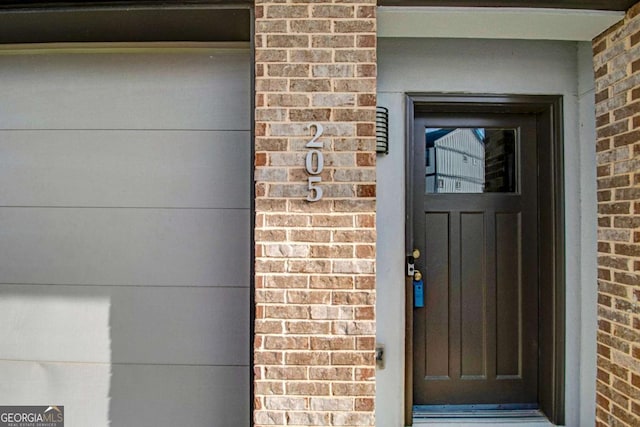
{"x": 470, "y": 160}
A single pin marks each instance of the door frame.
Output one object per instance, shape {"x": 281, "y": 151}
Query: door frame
{"x": 548, "y": 112}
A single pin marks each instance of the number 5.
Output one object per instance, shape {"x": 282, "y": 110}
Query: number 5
{"x": 316, "y": 189}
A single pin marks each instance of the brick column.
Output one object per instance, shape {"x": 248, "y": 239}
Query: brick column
{"x": 315, "y": 261}
{"x": 617, "y": 65}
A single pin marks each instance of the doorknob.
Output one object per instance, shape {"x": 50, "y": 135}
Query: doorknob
{"x": 417, "y": 276}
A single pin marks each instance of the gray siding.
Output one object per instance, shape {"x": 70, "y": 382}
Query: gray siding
{"x": 178, "y": 169}
{"x": 124, "y": 257}
{"x": 124, "y": 246}
{"x": 132, "y": 395}
{"x": 141, "y": 327}
{"x": 126, "y": 91}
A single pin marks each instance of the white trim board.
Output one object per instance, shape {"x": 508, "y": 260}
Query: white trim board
{"x": 494, "y": 23}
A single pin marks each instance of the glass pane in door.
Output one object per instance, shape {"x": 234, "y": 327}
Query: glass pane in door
{"x": 471, "y": 160}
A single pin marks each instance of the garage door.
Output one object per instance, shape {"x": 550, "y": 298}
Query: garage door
{"x": 125, "y": 234}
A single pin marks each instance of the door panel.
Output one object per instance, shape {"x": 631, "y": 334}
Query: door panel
{"x": 475, "y": 197}
{"x": 436, "y": 332}
{"x": 508, "y": 294}
{"x": 472, "y": 296}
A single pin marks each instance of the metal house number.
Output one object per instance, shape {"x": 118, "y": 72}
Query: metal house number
{"x": 314, "y": 164}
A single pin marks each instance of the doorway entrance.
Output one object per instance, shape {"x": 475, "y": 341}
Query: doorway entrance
{"x": 484, "y": 203}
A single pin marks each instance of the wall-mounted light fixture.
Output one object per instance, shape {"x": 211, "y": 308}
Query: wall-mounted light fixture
{"x": 382, "y": 130}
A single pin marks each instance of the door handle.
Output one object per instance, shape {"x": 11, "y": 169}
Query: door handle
{"x": 417, "y": 276}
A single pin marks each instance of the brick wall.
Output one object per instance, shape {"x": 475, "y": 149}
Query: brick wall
{"x": 315, "y": 261}
{"x": 617, "y": 65}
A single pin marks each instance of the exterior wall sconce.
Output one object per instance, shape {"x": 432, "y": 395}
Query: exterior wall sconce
{"x": 382, "y": 130}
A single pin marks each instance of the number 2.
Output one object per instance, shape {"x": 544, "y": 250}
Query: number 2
{"x": 314, "y": 143}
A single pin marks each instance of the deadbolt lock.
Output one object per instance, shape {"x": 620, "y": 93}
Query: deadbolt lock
{"x": 411, "y": 260}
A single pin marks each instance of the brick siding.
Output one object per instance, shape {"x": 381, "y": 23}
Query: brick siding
{"x": 315, "y": 261}
{"x": 617, "y": 67}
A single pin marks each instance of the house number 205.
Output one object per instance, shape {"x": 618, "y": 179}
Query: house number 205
{"x": 314, "y": 164}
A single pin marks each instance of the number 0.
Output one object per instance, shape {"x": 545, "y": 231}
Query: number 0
{"x": 319, "y": 163}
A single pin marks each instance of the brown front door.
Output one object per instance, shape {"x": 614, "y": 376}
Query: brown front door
{"x": 475, "y": 213}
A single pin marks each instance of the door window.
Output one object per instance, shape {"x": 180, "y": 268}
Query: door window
{"x": 471, "y": 160}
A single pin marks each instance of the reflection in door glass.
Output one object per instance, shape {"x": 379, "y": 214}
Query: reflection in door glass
{"x": 470, "y": 160}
